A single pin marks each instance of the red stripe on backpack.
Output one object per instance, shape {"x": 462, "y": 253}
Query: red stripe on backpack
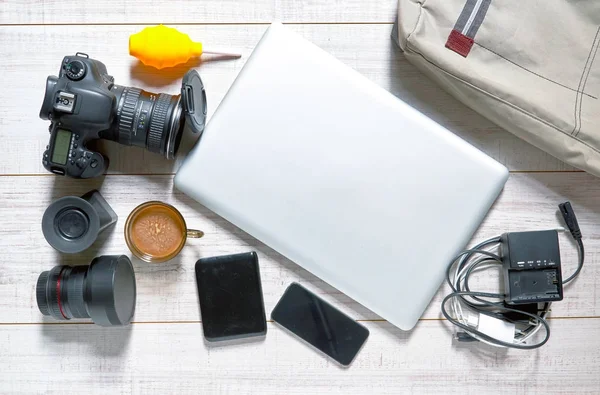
{"x": 459, "y": 43}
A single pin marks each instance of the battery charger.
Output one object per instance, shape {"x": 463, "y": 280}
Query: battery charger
{"x": 532, "y": 274}
{"x": 531, "y": 266}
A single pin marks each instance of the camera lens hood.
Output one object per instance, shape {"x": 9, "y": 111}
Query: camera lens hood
{"x": 70, "y": 224}
{"x": 111, "y": 290}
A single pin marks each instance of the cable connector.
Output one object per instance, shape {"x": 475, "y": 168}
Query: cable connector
{"x": 464, "y": 337}
{"x": 570, "y": 219}
{"x": 496, "y": 328}
{"x": 472, "y": 319}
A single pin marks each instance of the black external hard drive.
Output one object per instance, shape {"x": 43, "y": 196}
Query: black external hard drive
{"x": 231, "y": 300}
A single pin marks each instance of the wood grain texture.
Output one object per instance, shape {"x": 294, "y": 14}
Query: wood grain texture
{"x": 189, "y": 11}
{"x": 174, "y": 359}
{"x": 164, "y": 351}
{"x": 31, "y": 53}
{"x": 167, "y": 292}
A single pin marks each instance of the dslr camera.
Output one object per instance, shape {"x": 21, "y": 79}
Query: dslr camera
{"x": 83, "y": 104}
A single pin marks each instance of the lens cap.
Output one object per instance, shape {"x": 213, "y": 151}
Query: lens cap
{"x": 71, "y": 224}
{"x": 194, "y": 101}
{"x": 111, "y": 290}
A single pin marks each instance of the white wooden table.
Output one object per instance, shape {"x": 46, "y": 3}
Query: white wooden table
{"x": 163, "y": 351}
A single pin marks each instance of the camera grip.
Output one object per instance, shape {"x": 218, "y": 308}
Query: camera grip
{"x": 93, "y": 166}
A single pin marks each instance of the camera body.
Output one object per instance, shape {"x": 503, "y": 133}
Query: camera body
{"x": 80, "y": 104}
{"x": 83, "y": 104}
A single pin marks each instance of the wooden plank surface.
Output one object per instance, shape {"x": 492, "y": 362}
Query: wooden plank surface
{"x": 174, "y": 359}
{"x": 31, "y": 53}
{"x": 164, "y": 351}
{"x": 167, "y": 292}
{"x": 189, "y": 11}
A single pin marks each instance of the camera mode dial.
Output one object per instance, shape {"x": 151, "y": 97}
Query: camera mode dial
{"x": 75, "y": 70}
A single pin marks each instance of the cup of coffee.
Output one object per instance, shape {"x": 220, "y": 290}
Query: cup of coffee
{"x": 156, "y": 232}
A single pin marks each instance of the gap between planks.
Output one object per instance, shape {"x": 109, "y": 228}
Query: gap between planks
{"x": 173, "y": 174}
{"x": 190, "y": 23}
{"x": 269, "y": 321}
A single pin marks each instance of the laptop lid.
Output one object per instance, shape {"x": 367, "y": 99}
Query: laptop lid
{"x": 340, "y": 176}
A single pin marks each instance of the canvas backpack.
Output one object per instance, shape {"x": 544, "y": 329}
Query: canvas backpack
{"x": 529, "y": 66}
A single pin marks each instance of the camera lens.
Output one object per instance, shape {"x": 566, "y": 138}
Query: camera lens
{"x": 149, "y": 120}
{"x": 104, "y": 291}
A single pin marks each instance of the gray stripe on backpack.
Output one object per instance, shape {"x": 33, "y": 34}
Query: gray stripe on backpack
{"x": 472, "y": 16}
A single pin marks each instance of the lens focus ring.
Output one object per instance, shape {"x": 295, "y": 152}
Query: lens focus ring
{"x": 75, "y": 290}
{"x": 158, "y": 122}
{"x": 55, "y": 287}
{"x": 130, "y": 99}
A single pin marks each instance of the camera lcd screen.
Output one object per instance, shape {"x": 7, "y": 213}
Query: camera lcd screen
{"x": 320, "y": 324}
{"x": 61, "y": 146}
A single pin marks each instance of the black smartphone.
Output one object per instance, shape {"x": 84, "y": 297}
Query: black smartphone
{"x": 320, "y": 324}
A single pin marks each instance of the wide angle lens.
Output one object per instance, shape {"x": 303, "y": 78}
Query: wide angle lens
{"x": 149, "y": 120}
{"x": 104, "y": 291}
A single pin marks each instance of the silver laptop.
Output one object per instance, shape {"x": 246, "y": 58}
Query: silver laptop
{"x": 340, "y": 176}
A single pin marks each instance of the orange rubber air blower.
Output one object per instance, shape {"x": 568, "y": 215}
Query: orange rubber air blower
{"x": 161, "y": 46}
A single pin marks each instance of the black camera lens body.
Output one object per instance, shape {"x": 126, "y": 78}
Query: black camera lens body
{"x": 83, "y": 105}
{"x": 147, "y": 120}
{"x": 104, "y": 291}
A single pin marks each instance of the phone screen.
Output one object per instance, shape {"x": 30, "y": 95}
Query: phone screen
{"x": 320, "y": 324}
